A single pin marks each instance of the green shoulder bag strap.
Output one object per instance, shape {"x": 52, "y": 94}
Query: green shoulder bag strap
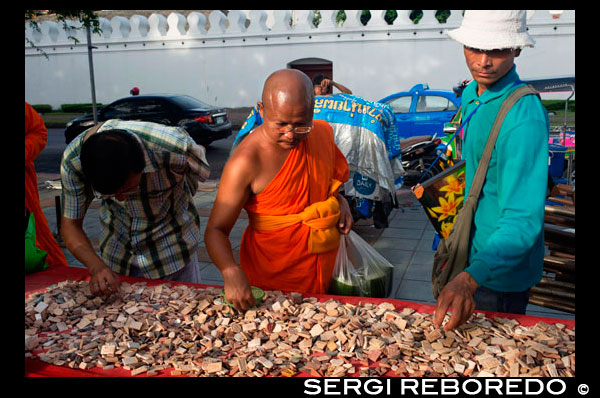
{"x": 452, "y": 254}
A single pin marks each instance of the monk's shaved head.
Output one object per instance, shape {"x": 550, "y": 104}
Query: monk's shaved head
{"x": 288, "y": 87}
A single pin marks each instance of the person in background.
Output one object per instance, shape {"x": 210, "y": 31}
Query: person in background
{"x": 506, "y": 253}
{"x": 36, "y": 137}
{"x": 324, "y": 86}
{"x": 286, "y": 175}
{"x": 145, "y": 175}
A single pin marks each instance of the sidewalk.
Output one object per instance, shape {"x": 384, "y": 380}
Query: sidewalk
{"x": 406, "y": 243}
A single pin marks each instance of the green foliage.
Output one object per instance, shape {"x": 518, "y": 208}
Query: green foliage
{"x": 390, "y": 16}
{"x": 558, "y": 105}
{"x": 365, "y": 16}
{"x": 415, "y": 16}
{"x": 317, "y": 17}
{"x": 42, "y": 108}
{"x": 79, "y": 108}
{"x": 88, "y": 18}
{"x": 441, "y": 15}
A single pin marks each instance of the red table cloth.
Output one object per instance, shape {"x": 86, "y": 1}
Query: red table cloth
{"x": 38, "y": 282}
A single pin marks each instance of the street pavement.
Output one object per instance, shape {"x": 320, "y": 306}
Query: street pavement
{"x": 406, "y": 243}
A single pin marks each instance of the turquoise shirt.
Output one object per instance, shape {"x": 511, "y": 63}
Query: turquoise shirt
{"x": 507, "y": 236}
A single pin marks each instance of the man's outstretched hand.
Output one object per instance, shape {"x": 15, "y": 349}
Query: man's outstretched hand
{"x": 457, "y": 295}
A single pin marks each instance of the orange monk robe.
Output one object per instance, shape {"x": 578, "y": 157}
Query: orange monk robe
{"x": 36, "y": 137}
{"x": 279, "y": 259}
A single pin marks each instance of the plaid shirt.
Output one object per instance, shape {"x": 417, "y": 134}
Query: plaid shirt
{"x": 158, "y": 228}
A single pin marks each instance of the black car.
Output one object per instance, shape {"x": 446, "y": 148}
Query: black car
{"x": 204, "y": 123}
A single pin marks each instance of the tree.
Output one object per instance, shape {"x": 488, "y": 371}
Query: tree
{"x": 88, "y": 18}
{"x": 89, "y": 21}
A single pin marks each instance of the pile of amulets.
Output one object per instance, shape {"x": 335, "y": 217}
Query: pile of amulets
{"x": 182, "y": 330}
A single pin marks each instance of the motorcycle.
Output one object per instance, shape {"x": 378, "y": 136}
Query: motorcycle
{"x": 422, "y": 158}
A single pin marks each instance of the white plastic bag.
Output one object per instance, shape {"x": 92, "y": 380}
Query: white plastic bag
{"x": 360, "y": 270}
{"x": 343, "y": 281}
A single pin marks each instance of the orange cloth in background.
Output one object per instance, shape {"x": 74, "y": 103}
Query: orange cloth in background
{"x": 36, "y": 137}
{"x": 279, "y": 259}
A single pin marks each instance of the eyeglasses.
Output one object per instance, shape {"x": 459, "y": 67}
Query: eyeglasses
{"x": 296, "y": 130}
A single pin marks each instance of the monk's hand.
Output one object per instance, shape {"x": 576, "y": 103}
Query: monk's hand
{"x": 458, "y": 295}
{"x": 346, "y": 221}
{"x": 104, "y": 281}
{"x": 237, "y": 288}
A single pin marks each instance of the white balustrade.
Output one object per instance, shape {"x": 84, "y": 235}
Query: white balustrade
{"x": 158, "y": 25}
{"x": 120, "y": 28}
{"x": 222, "y": 52}
{"x": 176, "y": 23}
{"x": 377, "y": 19}
{"x": 218, "y": 22}
{"x": 237, "y": 21}
{"x": 352, "y": 19}
{"x": 282, "y": 21}
{"x": 49, "y": 32}
{"x": 197, "y": 24}
{"x": 329, "y": 19}
{"x": 139, "y": 26}
{"x": 68, "y": 32}
{"x": 106, "y": 30}
{"x": 305, "y": 20}
{"x": 258, "y": 21}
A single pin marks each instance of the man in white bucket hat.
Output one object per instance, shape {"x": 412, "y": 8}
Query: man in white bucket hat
{"x": 506, "y": 253}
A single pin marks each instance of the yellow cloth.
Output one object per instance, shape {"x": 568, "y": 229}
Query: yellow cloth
{"x": 279, "y": 259}
{"x": 320, "y": 217}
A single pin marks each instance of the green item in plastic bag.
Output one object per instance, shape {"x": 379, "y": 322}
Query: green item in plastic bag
{"x": 360, "y": 270}
{"x": 340, "y": 287}
{"x": 343, "y": 280}
{"x": 377, "y": 284}
{"x": 35, "y": 258}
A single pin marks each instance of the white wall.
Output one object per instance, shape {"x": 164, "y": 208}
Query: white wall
{"x": 226, "y": 64}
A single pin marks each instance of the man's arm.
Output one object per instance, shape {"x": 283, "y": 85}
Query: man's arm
{"x": 198, "y": 169}
{"x": 75, "y": 200}
{"x": 522, "y": 181}
{"x": 104, "y": 281}
{"x": 522, "y": 173}
{"x": 342, "y": 88}
{"x": 458, "y": 295}
{"x": 325, "y": 83}
{"x": 234, "y": 191}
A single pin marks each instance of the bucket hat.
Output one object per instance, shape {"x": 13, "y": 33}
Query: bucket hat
{"x": 493, "y": 30}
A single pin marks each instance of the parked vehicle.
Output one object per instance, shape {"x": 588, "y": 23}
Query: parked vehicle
{"x": 205, "y": 123}
{"x": 422, "y": 111}
{"x": 418, "y": 154}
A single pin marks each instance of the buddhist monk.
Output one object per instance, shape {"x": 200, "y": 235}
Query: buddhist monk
{"x": 286, "y": 175}
{"x": 36, "y": 137}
